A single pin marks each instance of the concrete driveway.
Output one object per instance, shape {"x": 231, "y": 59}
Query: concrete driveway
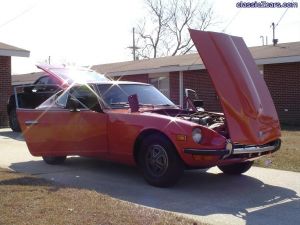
{"x": 261, "y": 196}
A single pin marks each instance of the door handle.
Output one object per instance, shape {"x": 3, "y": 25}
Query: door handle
{"x": 31, "y": 122}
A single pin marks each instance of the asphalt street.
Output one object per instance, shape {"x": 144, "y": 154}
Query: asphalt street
{"x": 261, "y": 196}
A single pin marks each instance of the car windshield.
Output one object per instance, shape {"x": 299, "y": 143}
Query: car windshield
{"x": 80, "y": 76}
{"x": 116, "y": 95}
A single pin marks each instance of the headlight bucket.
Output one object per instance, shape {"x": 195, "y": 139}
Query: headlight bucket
{"x": 197, "y": 135}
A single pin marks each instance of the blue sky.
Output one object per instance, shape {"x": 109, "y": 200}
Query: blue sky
{"x": 88, "y": 32}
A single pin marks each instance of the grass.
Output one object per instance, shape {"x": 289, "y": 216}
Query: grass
{"x": 288, "y": 156}
{"x": 26, "y": 199}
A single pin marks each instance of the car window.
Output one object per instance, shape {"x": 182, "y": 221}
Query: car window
{"x": 85, "y": 95}
{"x": 52, "y": 81}
{"x": 116, "y": 95}
{"x": 61, "y": 99}
{"x": 43, "y": 80}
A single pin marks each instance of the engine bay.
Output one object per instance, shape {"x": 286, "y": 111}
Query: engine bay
{"x": 212, "y": 120}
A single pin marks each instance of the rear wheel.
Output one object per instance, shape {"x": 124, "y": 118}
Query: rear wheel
{"x": 159, "y": 161}
{"x": 236, "y": 169}
{"x": 54, "y": 160}
{"x": 13, "y": 120}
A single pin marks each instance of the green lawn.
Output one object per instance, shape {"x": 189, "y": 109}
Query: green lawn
{"x": 288, "y": 156}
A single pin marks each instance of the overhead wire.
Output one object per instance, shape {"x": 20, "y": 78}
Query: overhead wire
{"x": 19, "y": 14}
{"x": 283, "y": 15}
{"x": 232, "y": 19}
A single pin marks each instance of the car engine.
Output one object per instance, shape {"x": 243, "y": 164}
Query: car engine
{"x": 213, "y": 120}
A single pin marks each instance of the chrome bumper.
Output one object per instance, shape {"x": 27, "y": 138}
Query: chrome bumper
{"x": 254, "y": 149}
{"x": 251, "y": 151}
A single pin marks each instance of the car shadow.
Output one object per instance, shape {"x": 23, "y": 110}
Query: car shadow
{"x": 198, "y": 193}
{"x": 9, "y": 134}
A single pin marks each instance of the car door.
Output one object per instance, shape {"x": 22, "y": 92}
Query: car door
{"x": 54, "y": 128}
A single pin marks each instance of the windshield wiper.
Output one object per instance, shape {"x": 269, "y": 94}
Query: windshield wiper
{"x": 165, "y": 105}
{"x": 146, "y": 105}
{"x": 119, "y": 103}
{"x": 125, "y": 104}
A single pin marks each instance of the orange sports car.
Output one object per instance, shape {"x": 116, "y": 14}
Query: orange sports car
{"x": 135, "y": 124}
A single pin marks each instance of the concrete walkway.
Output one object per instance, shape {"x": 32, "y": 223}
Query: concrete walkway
{"x": 261, "y": 196}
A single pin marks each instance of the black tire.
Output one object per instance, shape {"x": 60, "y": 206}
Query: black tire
{"x": 236, "y": 169}
{"x": 13, "y": 120}
{"x": 54, "y": 160}
{"x": 159, "y": 161}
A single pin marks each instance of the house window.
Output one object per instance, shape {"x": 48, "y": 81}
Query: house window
{"x": 161, "y": 82}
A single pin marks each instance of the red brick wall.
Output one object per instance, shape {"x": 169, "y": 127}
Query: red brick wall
{"x": 136, "y": 78}
{"x": 283, "y": 81}
{"x": 174, "y": 87}
{"x": 199, "y": 81}
{"x": 5, "y": 88}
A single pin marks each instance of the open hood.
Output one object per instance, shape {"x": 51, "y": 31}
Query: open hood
{"x": 246, "y": 101}
{"x": 71, "y": 75}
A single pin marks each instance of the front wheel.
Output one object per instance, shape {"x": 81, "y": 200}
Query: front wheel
{"x": 159, "y": 161}
{"x": 236, "y": 169}
{"x": 54, "y": 160}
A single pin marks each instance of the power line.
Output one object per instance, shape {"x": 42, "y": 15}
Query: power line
{"x": 273, "y": 25}
{"x": 19, "y": 15}
{"x": 282, "y": 15}
{"x": 232, "y": 19}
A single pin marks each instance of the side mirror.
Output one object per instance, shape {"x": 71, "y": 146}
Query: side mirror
{"x": 198, "y": 103}
{"x": 74, "y": 105}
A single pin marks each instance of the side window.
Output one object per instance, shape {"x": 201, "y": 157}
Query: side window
{"x": 61, "y": 99}
{"x": 39, "y": 84}
{"x": 86, "y": 97}
{"x": 43, "y": 80}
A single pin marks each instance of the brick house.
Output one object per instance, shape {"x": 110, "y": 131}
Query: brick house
{"x": 6, "y": 52}
{"x": 280, "y": 66}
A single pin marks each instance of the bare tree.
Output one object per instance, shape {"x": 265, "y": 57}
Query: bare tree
{"x": 165, "y": 31}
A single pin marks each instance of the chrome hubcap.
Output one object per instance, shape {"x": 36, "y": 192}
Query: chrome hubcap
{"x": 156, "y": 160}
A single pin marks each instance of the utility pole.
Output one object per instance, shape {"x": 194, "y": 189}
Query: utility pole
{"x": 275, "y": 41}
{"x": 133, "y": 47}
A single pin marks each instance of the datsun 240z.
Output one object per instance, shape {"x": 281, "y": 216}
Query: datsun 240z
{"x": 133, "y": 123}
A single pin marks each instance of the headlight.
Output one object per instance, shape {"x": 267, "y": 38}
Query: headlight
{"x": 197, "y": 136}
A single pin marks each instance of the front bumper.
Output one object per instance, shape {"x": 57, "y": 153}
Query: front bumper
{"x": 238, "y": 150}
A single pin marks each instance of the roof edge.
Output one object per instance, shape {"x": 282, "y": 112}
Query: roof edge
{"x": 275, "y": 60}
{"x": 157, "y": 70}
{"x": 262, "y": 61}
{"x": 18, "y": 53}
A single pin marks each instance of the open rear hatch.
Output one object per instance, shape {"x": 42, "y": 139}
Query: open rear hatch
{"x": 246, "y": 101}
{"x": 69, "y": 76}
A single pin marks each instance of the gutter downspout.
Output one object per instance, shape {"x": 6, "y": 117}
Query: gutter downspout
{"x": 181, "y": 88}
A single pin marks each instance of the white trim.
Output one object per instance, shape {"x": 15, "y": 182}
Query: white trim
{"x": 283, "y": 59}
{"x": 166, "y": 69}
{"x": 20, "y": 53}
{"x": 181, "y": 88}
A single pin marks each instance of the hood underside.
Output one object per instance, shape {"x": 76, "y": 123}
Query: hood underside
{"x": 246, "y": 101}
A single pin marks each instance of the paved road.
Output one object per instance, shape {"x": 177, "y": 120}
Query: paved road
{"x": 261, "y": 196}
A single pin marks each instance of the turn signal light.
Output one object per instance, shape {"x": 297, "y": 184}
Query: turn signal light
{"x": 180, "y": 137}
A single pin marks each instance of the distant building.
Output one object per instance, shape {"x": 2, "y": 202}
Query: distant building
{"x": 6, "y": 52}
{"x": 280, "y": 66}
